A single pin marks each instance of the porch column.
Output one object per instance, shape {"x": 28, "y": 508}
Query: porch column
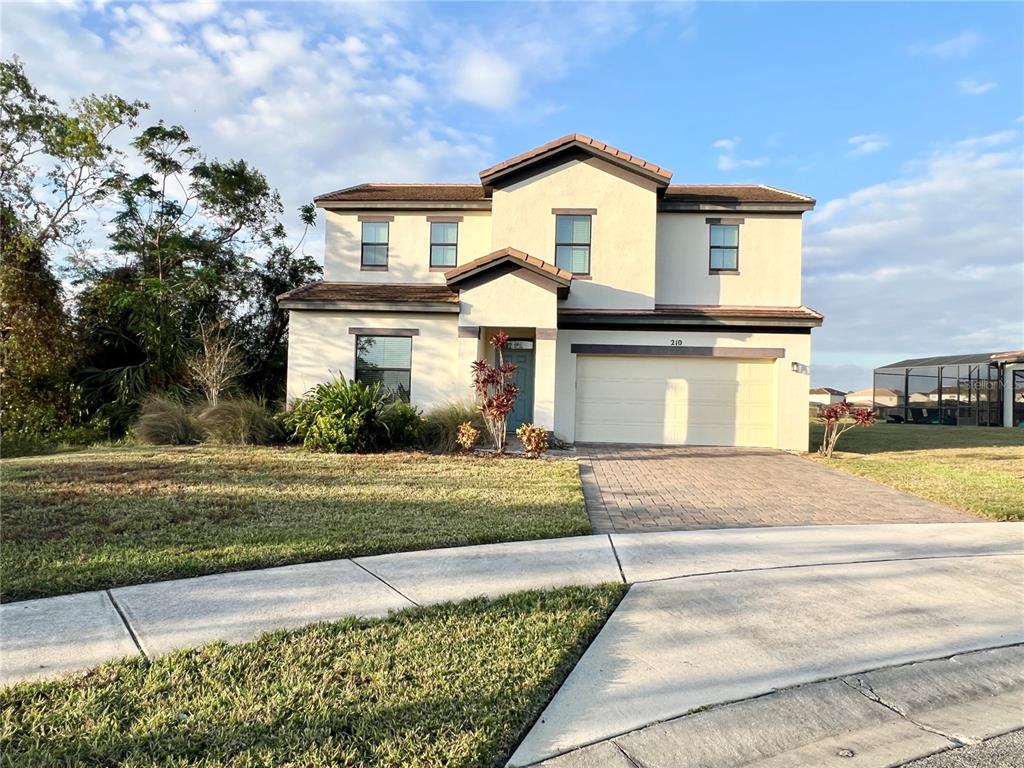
{"x": 544, "y": 379}
{"x": 469, "y": 352}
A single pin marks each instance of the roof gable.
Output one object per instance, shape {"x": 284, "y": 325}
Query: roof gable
{"x": 501, "y": 259}
{"x": 575, "y": 142}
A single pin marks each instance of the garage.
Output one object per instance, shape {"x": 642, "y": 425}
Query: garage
{"x": 675, "y": 400}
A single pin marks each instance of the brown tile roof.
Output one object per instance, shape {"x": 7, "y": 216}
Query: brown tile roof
{"x": 733, "y": 193}
{"x": 594, "y": 146}
{"x": 711, "y": 311}
{"x": 406, "y": 192}
{"x": 826, "y": 391}
{"x": 399, "y": 293}
{"x": 508, "y": 254}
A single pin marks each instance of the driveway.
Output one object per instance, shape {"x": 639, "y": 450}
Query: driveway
{"x": 634, "y": 488}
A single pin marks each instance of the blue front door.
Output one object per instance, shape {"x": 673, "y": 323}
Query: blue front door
{"x": 520, "y": 352}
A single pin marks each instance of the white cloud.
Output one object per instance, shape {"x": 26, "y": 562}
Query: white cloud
{"x": 488, "y": 79}
{"x": 928, "y": 263}
{"x": 974, "y": 87}
{"x": 955, "y": 47}
{"x": 728, "y": 160}
{"x": 867, "y": 144}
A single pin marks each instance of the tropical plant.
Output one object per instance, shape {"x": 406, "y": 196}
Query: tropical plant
{"x": 467, "y": 436}
{"x": 342, "y": 416}
{"x": 163, "y": 421}
{"x": 496, "y": 393}
{"x": 534, "y": 439}
{"x": 441, "y": 425}
{"x": 239, "y": 421}
{"x": 404, "y": 424}
{"x": 840, "y": 419}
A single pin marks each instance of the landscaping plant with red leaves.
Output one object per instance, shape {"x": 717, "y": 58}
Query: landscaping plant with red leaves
{"x": 839, "y": 419}
{"x": 496, "y": 393}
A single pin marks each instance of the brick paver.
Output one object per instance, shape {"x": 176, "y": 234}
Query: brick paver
{"x": 633, "y": 488}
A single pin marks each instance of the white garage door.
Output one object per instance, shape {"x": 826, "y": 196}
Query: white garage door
{"x": 674, "y": 401}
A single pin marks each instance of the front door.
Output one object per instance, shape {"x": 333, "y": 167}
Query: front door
{"x": 520, "y": 352}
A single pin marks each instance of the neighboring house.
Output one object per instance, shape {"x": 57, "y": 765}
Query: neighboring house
{"x": 640, "y": 311}
{"x": 875, "y": 398}
{"x": 827, "y": 396}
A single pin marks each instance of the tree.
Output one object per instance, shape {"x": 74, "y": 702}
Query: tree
{"x": 840, "y": 419}
{"x": 496, "y": 393}
{"x": 217, "y": 364}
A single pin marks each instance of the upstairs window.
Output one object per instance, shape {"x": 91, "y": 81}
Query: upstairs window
{"x": 725, "y": 247}
{"x": 572, "y": 243}
{"x": 444, "y": 243}
{"x": 375, "y": 244}
{"x": 386, "y": 360}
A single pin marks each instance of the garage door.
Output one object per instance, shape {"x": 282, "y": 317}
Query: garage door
{"x": 674, "y": 401}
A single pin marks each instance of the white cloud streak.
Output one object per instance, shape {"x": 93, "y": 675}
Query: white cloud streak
{"x": 957, "y": 47}
{"x": 728, "y": 158}
{"x": 867, "y": 144}
{"x": 975, "y": 87}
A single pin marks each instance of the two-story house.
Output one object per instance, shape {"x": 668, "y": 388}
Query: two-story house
{"x": 640, "y": 311}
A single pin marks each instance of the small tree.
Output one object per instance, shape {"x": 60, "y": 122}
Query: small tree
{"x": 496, "y": 393}
{"x": 216, "y": 364}
{"x": 840, "y": 419}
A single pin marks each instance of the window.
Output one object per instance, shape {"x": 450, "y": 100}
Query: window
{"x": 385, "y": 359}
{"x": 725, "y": 247}
{"x": 375, "y": 244}
{"x": 572, "y": 243}
{"x": 444, "y": 239}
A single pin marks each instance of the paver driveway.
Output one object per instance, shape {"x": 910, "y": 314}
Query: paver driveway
{"x": 633, "y": 488}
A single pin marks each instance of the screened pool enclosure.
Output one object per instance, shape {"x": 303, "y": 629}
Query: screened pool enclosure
{"x": 965, "y": 390}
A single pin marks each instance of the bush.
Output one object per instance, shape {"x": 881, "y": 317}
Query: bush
{"x": 441, "y": 425}
{"x": 241, "y": 421}
{"x": 165, "y": 422}
{"x": 534, "y": 438}
{"x": 467, "y": 436}
{"x": 404, "y": 424}
{"x": 341, "y": 416}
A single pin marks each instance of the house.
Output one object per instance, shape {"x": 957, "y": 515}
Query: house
{"x": 875, "y": 398}
{"x": 827, "y": 396}
{"x": 640, "y": 311}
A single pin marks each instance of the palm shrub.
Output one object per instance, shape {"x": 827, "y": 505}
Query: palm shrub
{"x": 163, "y": 421}
{"x": 239, "y": 421}
{"x": 341, "y": 416}
{"x": 441, "y": 425}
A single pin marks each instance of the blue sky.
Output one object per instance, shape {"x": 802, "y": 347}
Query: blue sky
{"x": 903, "y": 120}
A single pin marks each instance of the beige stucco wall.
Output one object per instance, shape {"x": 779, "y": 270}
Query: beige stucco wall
{"x": 791, "y": 387}
{"x": 622, "y": 232}
{"x": 408, "y": 245}
{"x": 518, "y": 298}
{"x": 769, "y": 262}
{"x": 320, "y": 346}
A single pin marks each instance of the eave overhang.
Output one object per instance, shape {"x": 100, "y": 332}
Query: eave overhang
{"x": 509, "y": 259}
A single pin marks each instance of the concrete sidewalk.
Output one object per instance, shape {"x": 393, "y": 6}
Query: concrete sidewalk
{"x": 52, "y": 636}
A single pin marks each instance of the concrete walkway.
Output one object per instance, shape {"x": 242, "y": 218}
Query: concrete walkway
{"x": 52, "y": 636}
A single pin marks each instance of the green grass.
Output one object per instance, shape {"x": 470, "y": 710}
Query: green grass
{"x": 976, "y": 469}
{"x": 456, "y": 685}
{"x": 114, "y": 516}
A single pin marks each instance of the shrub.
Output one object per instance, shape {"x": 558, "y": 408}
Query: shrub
{"x": 241, "y": 421}
{"x": 341, "y": 416}
{"x": 496, "y": 392}
{"x": 534, "y": 438}
{"x": 467, "y": 436}
{"x": 834, "y": 416}
{"x": 441, "y": 425}
{"x": 404, "y": 424}
{"x": 165, "y": 422}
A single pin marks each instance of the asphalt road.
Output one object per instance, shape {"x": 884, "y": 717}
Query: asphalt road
{"x": 1001, "y": 752}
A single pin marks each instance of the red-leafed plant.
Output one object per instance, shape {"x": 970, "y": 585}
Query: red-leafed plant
{"x": 496, "y": 393}
{"x": 840, "y": 419}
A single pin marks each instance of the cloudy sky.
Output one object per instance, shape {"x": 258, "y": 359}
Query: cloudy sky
{"x": 905, "y": 121}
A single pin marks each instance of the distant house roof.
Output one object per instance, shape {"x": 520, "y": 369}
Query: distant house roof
{"x": 1014, "y": 356}
{"x": 870, "y": 393}
{"x": 931, "y": 362}
{"x": 579, "y": 142}
{"x": 826, "y": 391}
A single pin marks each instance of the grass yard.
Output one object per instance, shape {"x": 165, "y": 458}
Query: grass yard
{"x": 976, "y": 469}
{"x": 455, "y": 685}
{"x": 114, "y": 516}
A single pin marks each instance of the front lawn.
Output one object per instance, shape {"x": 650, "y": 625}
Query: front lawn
{"x": 115, "y": 516}
{"x": 450, "y": 685}
{"x": 976, "y": 469}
